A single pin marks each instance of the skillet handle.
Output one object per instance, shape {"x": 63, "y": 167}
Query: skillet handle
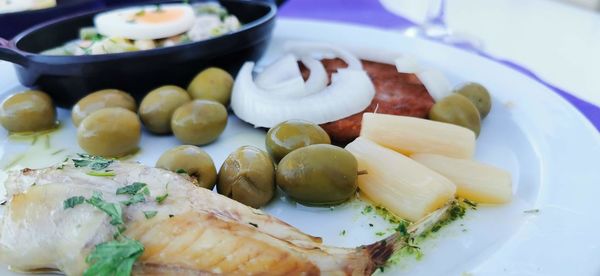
{"x": 8, "y": 53}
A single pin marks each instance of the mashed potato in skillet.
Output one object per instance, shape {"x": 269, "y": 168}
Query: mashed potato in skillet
{"x": 149, "y": 27}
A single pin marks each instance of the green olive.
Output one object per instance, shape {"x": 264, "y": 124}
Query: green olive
{"x": 199, "y": 122}
{"x": 110, "y": 132}
{"x": 212, "y": 84}
{"x": 191, "y": 160}
{"x": 456, "y": 109}
{"x": 157, "y": 107}
{"x": 28, "y": 111}
{"x": 478, "y": 95}
{"x": 248, "y": 176}
{"x": 99, "y": 100}
{"x": 293, "y": 134}
{"x": 318, "y": 175}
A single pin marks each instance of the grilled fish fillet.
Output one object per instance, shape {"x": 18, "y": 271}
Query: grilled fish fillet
{"x": 195, "y": 232}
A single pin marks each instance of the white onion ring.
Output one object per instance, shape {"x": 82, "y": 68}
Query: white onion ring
{"x": 351, "y": 92}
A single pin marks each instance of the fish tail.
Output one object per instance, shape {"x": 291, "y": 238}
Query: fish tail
{"x": 380, "y": 252}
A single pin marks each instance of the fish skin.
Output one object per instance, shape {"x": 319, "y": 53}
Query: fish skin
{"x": 196, "y": 231}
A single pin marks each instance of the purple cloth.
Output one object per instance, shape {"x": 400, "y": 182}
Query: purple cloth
{"x": 371, "y": 12}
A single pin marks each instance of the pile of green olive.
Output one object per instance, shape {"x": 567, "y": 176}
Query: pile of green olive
{"x": 196, "y": 116}
{"x": 309, "y": 169}
{"x": 467, "y": 106}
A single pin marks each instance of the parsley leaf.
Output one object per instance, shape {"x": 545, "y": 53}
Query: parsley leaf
{"x": 131, "y": 189}
{"x": 181, "y": 171}
{"x": 95, "y": 163}
{"x": 97, "y": 173}
{"x": 137, "y": 198}
{"x": 114, "y": 257}
{"x": 150, "y": 214}
{"x": 111, "y": 209}
{"x": 162, "y": 198}
{"x": 73, "y": 201}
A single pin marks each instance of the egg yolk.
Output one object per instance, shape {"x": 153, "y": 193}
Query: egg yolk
{"x": 159, "y": 16}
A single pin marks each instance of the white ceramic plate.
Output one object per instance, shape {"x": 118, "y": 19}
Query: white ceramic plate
{"x": 552, "y": 151}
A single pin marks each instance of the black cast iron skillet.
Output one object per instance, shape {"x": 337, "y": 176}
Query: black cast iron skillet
{"x": 69, "y": 78}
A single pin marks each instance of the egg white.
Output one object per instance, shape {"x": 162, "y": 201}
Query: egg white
{"x": 119, "y": 23}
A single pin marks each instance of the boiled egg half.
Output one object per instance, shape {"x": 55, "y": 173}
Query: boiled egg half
{"x": 146, "y": 22}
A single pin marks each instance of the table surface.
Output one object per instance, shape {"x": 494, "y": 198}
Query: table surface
{"x": 558, "y": 42}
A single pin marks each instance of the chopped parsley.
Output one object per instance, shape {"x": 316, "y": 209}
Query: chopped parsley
{"x": 161, "y": 198}
{"x": 95, "y": 163}
{"x": 114, "y": 257}
{"x": 402, "y": 228}
{"x": 181, "y": 171}
{"x": 367, "y": 209}
{"x": 532, "y": 211}
{"x": 150, "y": 214}
{"x": 99, "y": 173}
{"x": 137, "y": 198}
{"x": 343, "y": 233}
{"x": 171, "y": 215}
{"x": 73, "y": 201}
{"x": 137, "y": 190}
{"x": 113, "y": 210}
{"x": 253, "y": 224}
{"x": 380, "y": 234}
{"x": 131, "y": 189}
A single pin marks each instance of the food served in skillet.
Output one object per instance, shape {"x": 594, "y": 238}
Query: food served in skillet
{"x": 149, "y": 27}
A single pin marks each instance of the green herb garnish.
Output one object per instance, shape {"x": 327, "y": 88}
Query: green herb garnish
{"x": 150, "y": 214}
{"x": 403, "y": 228}
{"x": 532, "y": 211}
{"x": 103, "y": 174}
{"x": 162, "y": 198}
{"x": 73, "y": 201}
{"x": 114, "y": 257}
{"x": 253, "y": 224}
{"x": 95, "y": 163}
{"x": 367, "y": 209}
{"x": 181, "y": 171}
{"x": 131, "y": 189}
{"x": 113, "y": 210}
{"x": 137, "y": 198}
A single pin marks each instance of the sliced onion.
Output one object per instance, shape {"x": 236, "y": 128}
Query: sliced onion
{"x": 305, "y": 48}
{"x": 407, "y": 64}
{"x": 318, "y": 79}
{"x": 435, "y": 82}
{"x": 349, "y": 93}
{"x": 281, "y": 70}
{"x": 282, "y": 77}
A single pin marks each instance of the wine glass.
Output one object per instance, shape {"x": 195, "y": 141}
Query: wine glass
{"x": 434, "y": 25}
